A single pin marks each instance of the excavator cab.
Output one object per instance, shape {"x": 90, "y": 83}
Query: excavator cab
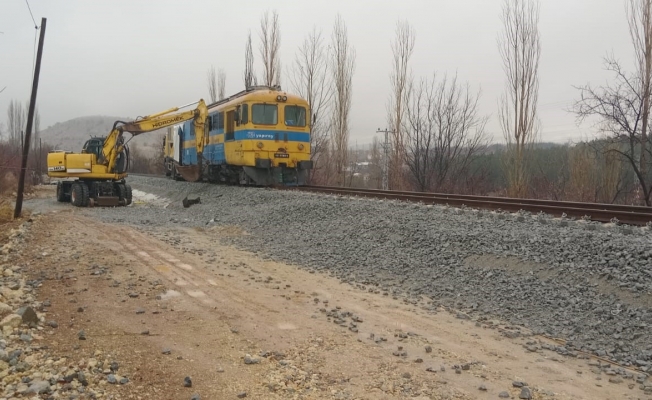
{"x": 94, "y": 146}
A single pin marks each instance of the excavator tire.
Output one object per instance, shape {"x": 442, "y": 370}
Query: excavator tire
{"x": 128, "y": 195}
{"x": 85, "y": 194}
{"x": 61, "y": 193}
{"x": 76, "y": 195}
{"x": 122, "y": 192}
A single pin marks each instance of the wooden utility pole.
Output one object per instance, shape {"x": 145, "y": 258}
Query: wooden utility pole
{"x": 30, "y": 120}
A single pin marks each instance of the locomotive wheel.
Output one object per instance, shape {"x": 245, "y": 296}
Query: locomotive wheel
{"x": 175, "y": 174}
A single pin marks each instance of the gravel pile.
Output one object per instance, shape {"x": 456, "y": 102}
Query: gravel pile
{"x": 585, "y": 282}
{"x": 28, "y": 369}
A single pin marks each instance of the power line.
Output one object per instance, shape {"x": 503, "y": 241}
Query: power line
{"x": 34, "y": 55}
{"x": 30, "y": 13}
{"x": 35, "y": 35}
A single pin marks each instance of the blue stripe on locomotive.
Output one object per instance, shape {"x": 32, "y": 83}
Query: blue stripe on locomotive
{"x": 272, "y": 134}
{"x": 214, "y": 153}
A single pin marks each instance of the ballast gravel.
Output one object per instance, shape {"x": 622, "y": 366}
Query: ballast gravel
{"x": 587, "y": 283}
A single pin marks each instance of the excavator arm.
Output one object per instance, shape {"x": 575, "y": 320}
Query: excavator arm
{"x": 114, "y": 143}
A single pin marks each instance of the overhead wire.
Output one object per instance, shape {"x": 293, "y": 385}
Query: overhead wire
{"x": 36, "y": 28}
{"x": 34, "y": 53}
{"x": 30, "y": 13}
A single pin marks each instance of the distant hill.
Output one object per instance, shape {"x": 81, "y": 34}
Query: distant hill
{"x": 72, "y": 134}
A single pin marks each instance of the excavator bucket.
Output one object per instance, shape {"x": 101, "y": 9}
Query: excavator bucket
{"x": 189, "y": 173}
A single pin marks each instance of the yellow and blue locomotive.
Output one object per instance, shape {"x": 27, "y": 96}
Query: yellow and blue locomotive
{"x": 260, "y": 136}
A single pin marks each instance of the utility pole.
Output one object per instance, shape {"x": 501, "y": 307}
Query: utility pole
{"x": 386, "y": 148}
{"x": 30, "y": 120}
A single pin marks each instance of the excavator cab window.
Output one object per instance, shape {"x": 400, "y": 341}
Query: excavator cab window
{"x": 94, "y": 146}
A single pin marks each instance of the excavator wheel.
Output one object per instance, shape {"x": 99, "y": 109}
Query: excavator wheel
{"x": 76, "y": 195}
{"x": 121, "y": 191}
{"x": 128, "y": 195}
{"x": 61, "y": 193}
{"x": 85, "y": 194}
{"x": 79, "y": 194}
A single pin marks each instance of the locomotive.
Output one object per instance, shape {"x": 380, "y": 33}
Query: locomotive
{"x": 260, "y": 136}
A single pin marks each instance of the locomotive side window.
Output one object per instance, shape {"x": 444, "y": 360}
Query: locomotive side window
{"x": 264, "y": 114}
{"x": 219, "y": 120}
{"x": 229, "y": 135}
{"x": 244, "y": 113}
{"x": 295, "y": 116}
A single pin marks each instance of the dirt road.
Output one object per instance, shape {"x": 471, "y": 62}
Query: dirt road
{"x": 170, "y": 304}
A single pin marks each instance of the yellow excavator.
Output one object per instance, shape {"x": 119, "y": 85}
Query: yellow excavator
{"x": 96, "y": 176}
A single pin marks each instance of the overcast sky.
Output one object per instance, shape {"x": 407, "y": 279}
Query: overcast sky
{"x": 136, "y": 57}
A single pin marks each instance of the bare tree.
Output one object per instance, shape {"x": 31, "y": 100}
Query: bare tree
{"x": 611, "y": 176}
{"x": 402, "y": 48}
{"x": 375, "y": 165}
{"x": 444, "y": 132}
{"x": 270, "y": 46}
{"x": 639, "y": 14}
{"x": 249, "y": 75}
{"x": 342, "y": 68}
{"x": 310, "y": 79}
{"x": 520, "y": 49}
{"x": 211, "y": 77}
{"x": 221, "y": 84}
{"x": 418, "y": 127}
{"x": 584, "y": 180}
{"x": 16, "y": 120}
{"x": 623, "y": 106}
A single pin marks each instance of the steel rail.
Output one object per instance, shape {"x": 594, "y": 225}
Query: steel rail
{"x": 631, "y": 215}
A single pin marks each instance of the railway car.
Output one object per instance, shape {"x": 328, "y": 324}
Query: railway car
{"x": 260, "y": 136}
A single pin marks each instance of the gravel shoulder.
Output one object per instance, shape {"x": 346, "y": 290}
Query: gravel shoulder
{"x": 292, "y": 295}
{"x": 162, "y": 307}
{"x": 587, "y": 283}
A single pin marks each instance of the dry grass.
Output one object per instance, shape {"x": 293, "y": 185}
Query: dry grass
{"x": 8, "y": 182}
{"x": 6, "y": 212}
{"x": 7, "y": 222}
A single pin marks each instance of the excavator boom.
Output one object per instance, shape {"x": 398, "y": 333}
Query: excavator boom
{"x": 113, "y": 145}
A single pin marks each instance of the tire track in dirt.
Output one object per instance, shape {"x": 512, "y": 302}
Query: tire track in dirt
{"x": 281, "y": 318}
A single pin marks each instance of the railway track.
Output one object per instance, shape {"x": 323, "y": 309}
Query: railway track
{"x": 630, "y": 215}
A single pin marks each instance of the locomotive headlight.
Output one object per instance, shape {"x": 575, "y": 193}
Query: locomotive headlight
{"x": 278, "y": 98}
{"x": 300, "y": 146}
{"x": 285, "y": 98}
{"x": 259, "y": 145}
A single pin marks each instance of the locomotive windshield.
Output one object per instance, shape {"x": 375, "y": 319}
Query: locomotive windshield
{"x": 295, "y": 116}
{"x": 264, "y": 114}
